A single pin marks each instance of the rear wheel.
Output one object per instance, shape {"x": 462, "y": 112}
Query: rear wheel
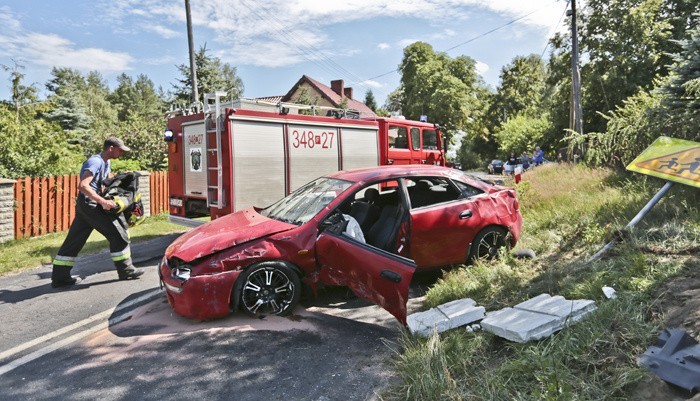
{"x": 487, "y": 243}
{"x": 269, "y": 289}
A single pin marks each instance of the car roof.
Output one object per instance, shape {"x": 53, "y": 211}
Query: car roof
{"x": 388, "y": 172}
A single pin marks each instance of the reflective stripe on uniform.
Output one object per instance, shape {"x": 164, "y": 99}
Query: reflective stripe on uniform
{"x": 123, "y": 255}
{"x": 64, "y": 260}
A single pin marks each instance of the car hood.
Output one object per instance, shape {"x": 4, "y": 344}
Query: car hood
{"x": 225, "y": 232}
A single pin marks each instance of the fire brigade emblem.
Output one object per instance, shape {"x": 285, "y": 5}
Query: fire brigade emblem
{"x": 195, "y": 160}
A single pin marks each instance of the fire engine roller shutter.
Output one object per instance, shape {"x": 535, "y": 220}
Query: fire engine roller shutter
{"x": 360, "y": 148}
{"x": 195, "y": 163}
{"x": 258, "y": 163}
{"x": 313, "y": 152}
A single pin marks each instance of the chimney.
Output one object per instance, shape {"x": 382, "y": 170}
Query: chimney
{"x": 337, "y": 86}
{"x": 348, "y": 92}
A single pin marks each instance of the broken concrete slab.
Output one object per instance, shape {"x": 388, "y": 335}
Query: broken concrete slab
{"x": 520, "y": 325}
{"x": 536, "y": 318}
{"x": 573, "y": 310}
{"x": 445, "y": 317}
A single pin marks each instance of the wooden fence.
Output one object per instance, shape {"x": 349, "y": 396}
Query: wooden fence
{"x": 47, "y": 204}
{"x": 159, "y": 192}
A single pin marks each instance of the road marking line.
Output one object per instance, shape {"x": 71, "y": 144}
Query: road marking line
{"x": 36, "y": 354}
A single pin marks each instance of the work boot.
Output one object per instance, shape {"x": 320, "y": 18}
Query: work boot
{"x": 129, "y": 272}
{"x": 60, "y": 277}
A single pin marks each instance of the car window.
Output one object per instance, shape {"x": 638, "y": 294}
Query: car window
{"x": 467, "y": 191}
{"x": 398, "y": 137}
{"x": 303, "y": 204}
{"x": 426, "y": 191}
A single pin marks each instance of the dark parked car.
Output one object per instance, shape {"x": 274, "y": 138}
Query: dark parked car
{"x": 496, "y": 166}
{"x": 367, "y": 229}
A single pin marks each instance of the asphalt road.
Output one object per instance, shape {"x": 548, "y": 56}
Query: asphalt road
{"x": 119, "y": 340}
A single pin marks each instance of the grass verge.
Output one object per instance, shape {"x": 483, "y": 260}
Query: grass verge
{"x": 32, "y": 252}
{"x": 569, "y": 213}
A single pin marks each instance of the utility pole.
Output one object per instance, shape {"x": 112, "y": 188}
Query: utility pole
{"x": 193, "y": 66}
{"x": 576, "y": 110}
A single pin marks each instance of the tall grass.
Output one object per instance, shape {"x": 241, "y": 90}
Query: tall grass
{"x": 569, "y": 212}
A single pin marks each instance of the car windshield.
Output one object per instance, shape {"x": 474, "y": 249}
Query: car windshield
{"x": 303, "y": 204}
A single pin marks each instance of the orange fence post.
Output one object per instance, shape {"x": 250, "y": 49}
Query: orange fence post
{"x": 36, "y": 202}
{"x": 27, "y": 218}
{"x": 51, "y": 228}
{"x": 44, "y": 206}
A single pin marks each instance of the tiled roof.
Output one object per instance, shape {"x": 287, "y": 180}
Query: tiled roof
{"x": 334, "y": 98}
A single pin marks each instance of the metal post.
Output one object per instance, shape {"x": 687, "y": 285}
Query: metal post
{"x": 635, "y": 220}
{"x": 193, "y": 66}
{"x": 576, "y": 114}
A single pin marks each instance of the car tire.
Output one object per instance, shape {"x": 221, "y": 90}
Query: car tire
{"x": 269, "y": 289}
{"x": 487, "y": 243}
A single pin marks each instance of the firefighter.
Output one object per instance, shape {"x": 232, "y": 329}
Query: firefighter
{"x": 94, "y": 212}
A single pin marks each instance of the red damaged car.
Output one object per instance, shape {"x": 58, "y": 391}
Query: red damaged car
{"x": 367, "y": 229}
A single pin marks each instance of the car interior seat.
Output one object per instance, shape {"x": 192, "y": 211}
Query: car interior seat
{"x": 383, "y": 231}
{"x": 366, "y": 211}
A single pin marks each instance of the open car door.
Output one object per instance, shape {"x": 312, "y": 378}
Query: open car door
{"x": 371, "y": 273}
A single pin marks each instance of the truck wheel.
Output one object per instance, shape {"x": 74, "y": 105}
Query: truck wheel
{"x": 487, "y": 243}
{"x": 269, "y": 289}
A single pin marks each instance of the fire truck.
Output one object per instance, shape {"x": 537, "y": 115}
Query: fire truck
{"x": 245, "y": 153}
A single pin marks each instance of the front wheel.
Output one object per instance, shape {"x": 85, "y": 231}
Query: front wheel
{"x": 269, "y": 289}
{"x": 487, "y": 244}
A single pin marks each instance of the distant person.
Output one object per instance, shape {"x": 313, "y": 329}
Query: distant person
{"x": 512, "y": 162}
{"x": 538, "y": 156}
{"x": 525, "y": 160}
{"x": 93, "y": 213}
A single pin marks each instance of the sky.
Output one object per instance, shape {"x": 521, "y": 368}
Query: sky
{"x": 271, "y": 43}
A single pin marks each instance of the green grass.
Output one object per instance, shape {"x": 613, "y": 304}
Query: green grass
{"x": 32, "y": 252}
{"x": 569, "y": 213}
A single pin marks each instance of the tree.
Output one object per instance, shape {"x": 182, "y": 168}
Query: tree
{"x": 522, "y": 87}
{"x": 438, "y": 86}
{"x": 393, "y": 101}
{"x": 137, "y": 99}
{"x": 369, "y": 100}
{"x": 22, "y": 95}
{"x": 212, "y": 75}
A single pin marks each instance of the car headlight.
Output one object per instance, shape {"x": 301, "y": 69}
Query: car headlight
{"x": 179, "y": 269}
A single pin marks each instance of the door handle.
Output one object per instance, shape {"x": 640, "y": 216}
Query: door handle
{"x": 391, "y": 276}
{"x": 466, "y": 214}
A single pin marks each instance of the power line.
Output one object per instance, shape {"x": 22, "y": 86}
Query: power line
{"x": 474, "y": 38}
{"x": 566, "y": 7}
{"x": 305, "y": 49}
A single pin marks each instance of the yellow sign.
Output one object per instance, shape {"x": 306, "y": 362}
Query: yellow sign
{"x": 671, "y": 159}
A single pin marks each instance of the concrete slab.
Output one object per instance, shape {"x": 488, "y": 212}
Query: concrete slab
{"x": 424, "y": 323}
{"x": 573, "y": 310}
{"x": 537, "y": 317}
{"x": 445, "y": 317}
{"x": 461, "y": 312}
{"x": 520, "y": 325}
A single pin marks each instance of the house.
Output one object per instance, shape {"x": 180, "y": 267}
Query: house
{"x": 319, "y": 94}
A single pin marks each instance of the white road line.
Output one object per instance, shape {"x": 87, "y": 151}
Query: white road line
{"x": 43, "y": 351}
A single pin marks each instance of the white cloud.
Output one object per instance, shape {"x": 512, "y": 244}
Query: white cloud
{"x": 407, "y": 42}
{"x": 50, "y": 50}
{"x": 163, "y": 32}
{"x": 53, "y": 50}
{"x": 283, "y": 32}
{"x": 371, "y": 84}
{"x": 481, "y": 68}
